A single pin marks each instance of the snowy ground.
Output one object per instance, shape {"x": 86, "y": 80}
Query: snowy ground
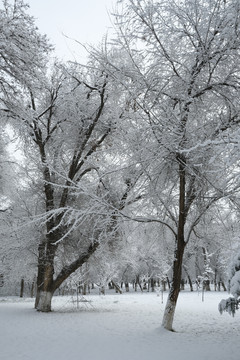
{"x": 117, "y": 327}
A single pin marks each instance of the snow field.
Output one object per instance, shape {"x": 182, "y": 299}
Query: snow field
{"x": 118, "y": 327}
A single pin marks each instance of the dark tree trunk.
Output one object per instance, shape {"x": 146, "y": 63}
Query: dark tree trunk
{"x": 152, "y": 284}
{"x": 182, "y": 284}
{"x": 223, "y": 285}
{"x": 189, "y": 279}
{"x": 32, "y": 289}
{"x": 163, "y": 282}
{"x": 169, "y": 283}
{"x": 84, "y": 292}
{"x": 190, "y": 283}
{"x": 116, "y": 287}
{"x": 206, "y": 285}
{"x": 178, "y": 258}
{"x": 22, "y": 288}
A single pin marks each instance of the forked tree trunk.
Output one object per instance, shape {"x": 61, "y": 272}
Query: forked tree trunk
{"x": 46, "y": 283}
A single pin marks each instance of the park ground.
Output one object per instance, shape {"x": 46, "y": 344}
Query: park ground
{"x": 118, "y": 326}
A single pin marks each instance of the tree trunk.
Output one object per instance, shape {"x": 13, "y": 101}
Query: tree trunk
{"x": 182, "y": 284}
{"x": 84, "y": 288}
{"x": 45, "y": 290}
{"x": 169, "y": 311}
{"x": 215, "y": 280}
{"x": 44, "y": 301}
{"x": 46, "y": 284}
{"x": 22, "y": 288}
{"x": 169, "y": 283}
{"x": 206, "y": 285}
{"x": 116, "y": 287}
{"x": 152, "y": 284}
{"x": 190, "y": 283}
{"x": 163, "y": 283}
{"x": 32, "y": 289}
{"x": 223, "y": 285}
{"x": 180, "y": 246}
{"x": 189, "y": 279}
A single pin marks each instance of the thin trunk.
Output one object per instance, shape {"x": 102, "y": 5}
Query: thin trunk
{"x": 22, "y": 288}
{"x": 116, "y": 287}
{"x": 190, "y": 283}
{"x": 215, "y": 280}
{"x": 188, "y": 276}
{"x": 152, "y": 284}
{"x": 163, "y": 283}
{"x": 182, "y": 284}
{"x": 169, "y": 283}
{"x": 223, "y": 285}
{"x": 32, "y": 289}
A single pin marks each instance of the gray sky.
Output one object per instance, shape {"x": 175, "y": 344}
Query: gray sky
{"x": 84, "y": 20}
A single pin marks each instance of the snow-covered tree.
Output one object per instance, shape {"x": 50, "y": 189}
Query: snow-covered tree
{"x": 23, "y": 56}
{"x": 67, "y": 130}
{"x": 179, "y": 63}
{"x": 23, "y": 50}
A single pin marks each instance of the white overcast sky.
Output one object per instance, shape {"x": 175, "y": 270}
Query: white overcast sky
{"x": 84, "y": 20}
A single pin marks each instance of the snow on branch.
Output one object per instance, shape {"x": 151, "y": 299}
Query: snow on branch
{"x": 229, "y": 305}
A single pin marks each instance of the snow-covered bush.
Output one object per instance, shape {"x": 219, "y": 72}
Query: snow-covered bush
{"x": 234, "y": 284}
{"x": 231, "y": 304}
